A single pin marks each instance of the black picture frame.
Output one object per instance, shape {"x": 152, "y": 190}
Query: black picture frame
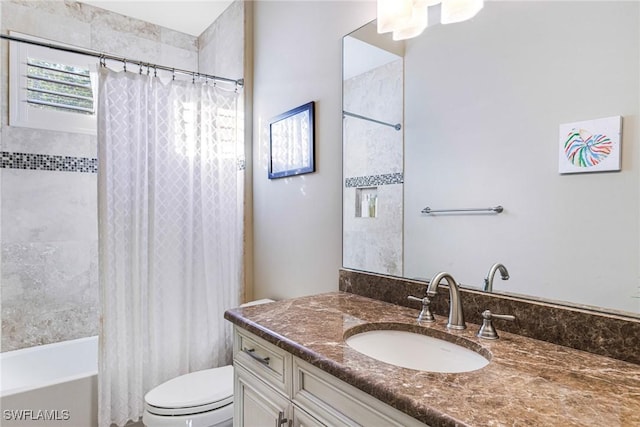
{"x": 291, "y": 142}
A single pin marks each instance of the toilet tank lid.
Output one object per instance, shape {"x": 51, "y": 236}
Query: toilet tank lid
{"x": 194, "y": 389}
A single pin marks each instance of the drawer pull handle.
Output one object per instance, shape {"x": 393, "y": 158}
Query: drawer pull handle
{"x": 252, "y": 353}
{"x": 282, "y": 420}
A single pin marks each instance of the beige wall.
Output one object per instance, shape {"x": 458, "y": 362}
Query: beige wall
{"x": 297, "y": 220}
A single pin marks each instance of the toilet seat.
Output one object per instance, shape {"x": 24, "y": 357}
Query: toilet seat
{"x": 193, "y": 393}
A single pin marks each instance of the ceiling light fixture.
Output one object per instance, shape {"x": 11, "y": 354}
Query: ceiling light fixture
{"x": 409, "y": 18}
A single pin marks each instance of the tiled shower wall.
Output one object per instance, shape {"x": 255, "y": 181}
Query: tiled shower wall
{"x": 49, "y": 261}
{"x": 373, "y": 166}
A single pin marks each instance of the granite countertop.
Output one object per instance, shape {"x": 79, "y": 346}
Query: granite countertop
{"x": 527, "y": 383}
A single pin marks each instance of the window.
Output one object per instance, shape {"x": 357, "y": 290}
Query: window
{"x": 58, "y": 86}
{"x": 51, "y": 89}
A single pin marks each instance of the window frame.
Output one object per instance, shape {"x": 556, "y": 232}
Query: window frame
{"x": 21, "y": 114}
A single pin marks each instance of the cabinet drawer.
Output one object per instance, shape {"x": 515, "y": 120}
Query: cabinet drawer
{"x": 336, "y": 403}
{"x": 270, "y": 363}
{"x": 302, "y": 419}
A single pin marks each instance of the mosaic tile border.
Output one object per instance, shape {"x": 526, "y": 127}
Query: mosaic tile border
{"x": 371, "y": 180}
{"x": 48, "y": 162}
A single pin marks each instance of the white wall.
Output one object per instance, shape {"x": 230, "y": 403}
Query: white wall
{"x": 484, "y": 100}
{"x": 297, "y": 220}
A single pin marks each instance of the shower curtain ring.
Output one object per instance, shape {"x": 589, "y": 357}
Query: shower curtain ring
{"x": 193, "y": 78}
{"x": 173, "y": 71}
{"x": 140, "y": 71}
{"x": 124, "y": 64}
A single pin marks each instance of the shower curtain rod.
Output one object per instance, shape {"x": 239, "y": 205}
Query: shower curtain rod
{"x": 102, "y": 56}
{"x": 396, "y": 126}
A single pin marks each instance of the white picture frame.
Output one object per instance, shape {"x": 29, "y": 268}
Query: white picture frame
{"x": 590, "y": 146}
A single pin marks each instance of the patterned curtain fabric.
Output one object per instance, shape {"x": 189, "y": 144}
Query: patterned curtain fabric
{"x": 170, "y": 202}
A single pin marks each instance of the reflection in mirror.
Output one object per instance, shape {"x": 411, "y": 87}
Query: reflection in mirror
{"x": 373, "y": 152}
{"x": 483, "y": 104}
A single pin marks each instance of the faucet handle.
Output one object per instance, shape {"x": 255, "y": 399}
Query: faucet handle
{"x": 487, "y": 331}
{"x": 425, "y": 314}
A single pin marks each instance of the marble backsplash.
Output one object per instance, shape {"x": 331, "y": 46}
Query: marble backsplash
{"x": 606, "y": 334}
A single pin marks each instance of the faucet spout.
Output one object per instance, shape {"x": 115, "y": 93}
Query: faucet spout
{"x": 488, "y": 281}
{"x": 456, "y": 315}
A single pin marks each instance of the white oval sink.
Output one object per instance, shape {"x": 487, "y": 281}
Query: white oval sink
{"x": 416, "y": 351}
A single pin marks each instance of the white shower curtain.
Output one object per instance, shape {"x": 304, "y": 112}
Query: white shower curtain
{"x": 170, "y": 202}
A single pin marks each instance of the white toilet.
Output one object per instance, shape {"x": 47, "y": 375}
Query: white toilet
{"x": 199, "y": 399}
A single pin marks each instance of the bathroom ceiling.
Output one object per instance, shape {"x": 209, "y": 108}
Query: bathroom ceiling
{"x": 191, "y": 17}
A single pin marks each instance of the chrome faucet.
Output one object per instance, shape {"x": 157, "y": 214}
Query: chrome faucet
{"x": 456, "y": 315}
{"x": 488, "y": 281}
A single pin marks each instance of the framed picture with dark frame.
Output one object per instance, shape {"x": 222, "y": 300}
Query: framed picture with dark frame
{"x": 291, "y": 142}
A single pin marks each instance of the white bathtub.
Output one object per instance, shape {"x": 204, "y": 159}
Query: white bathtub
{"x": 50, "y": 385}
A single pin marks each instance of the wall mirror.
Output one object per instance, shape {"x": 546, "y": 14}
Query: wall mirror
{"x": 480, "y": 106}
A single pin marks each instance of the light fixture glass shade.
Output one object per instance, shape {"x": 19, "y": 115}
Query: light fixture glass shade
{"x": 393, "y": 14}
{"x": 419, "y": 21}
{"x": 459, "y": 10}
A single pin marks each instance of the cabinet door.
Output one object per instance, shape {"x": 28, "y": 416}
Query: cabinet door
{"x": 258, "y": 405}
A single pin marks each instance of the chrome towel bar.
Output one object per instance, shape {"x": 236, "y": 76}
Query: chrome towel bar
{"x": 495, "y": 209}
{"x": 396, "y": 126}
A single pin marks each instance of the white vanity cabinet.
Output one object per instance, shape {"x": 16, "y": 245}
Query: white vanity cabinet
{"x": 262, "y": 382}
{"x": 274, "y": 388}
